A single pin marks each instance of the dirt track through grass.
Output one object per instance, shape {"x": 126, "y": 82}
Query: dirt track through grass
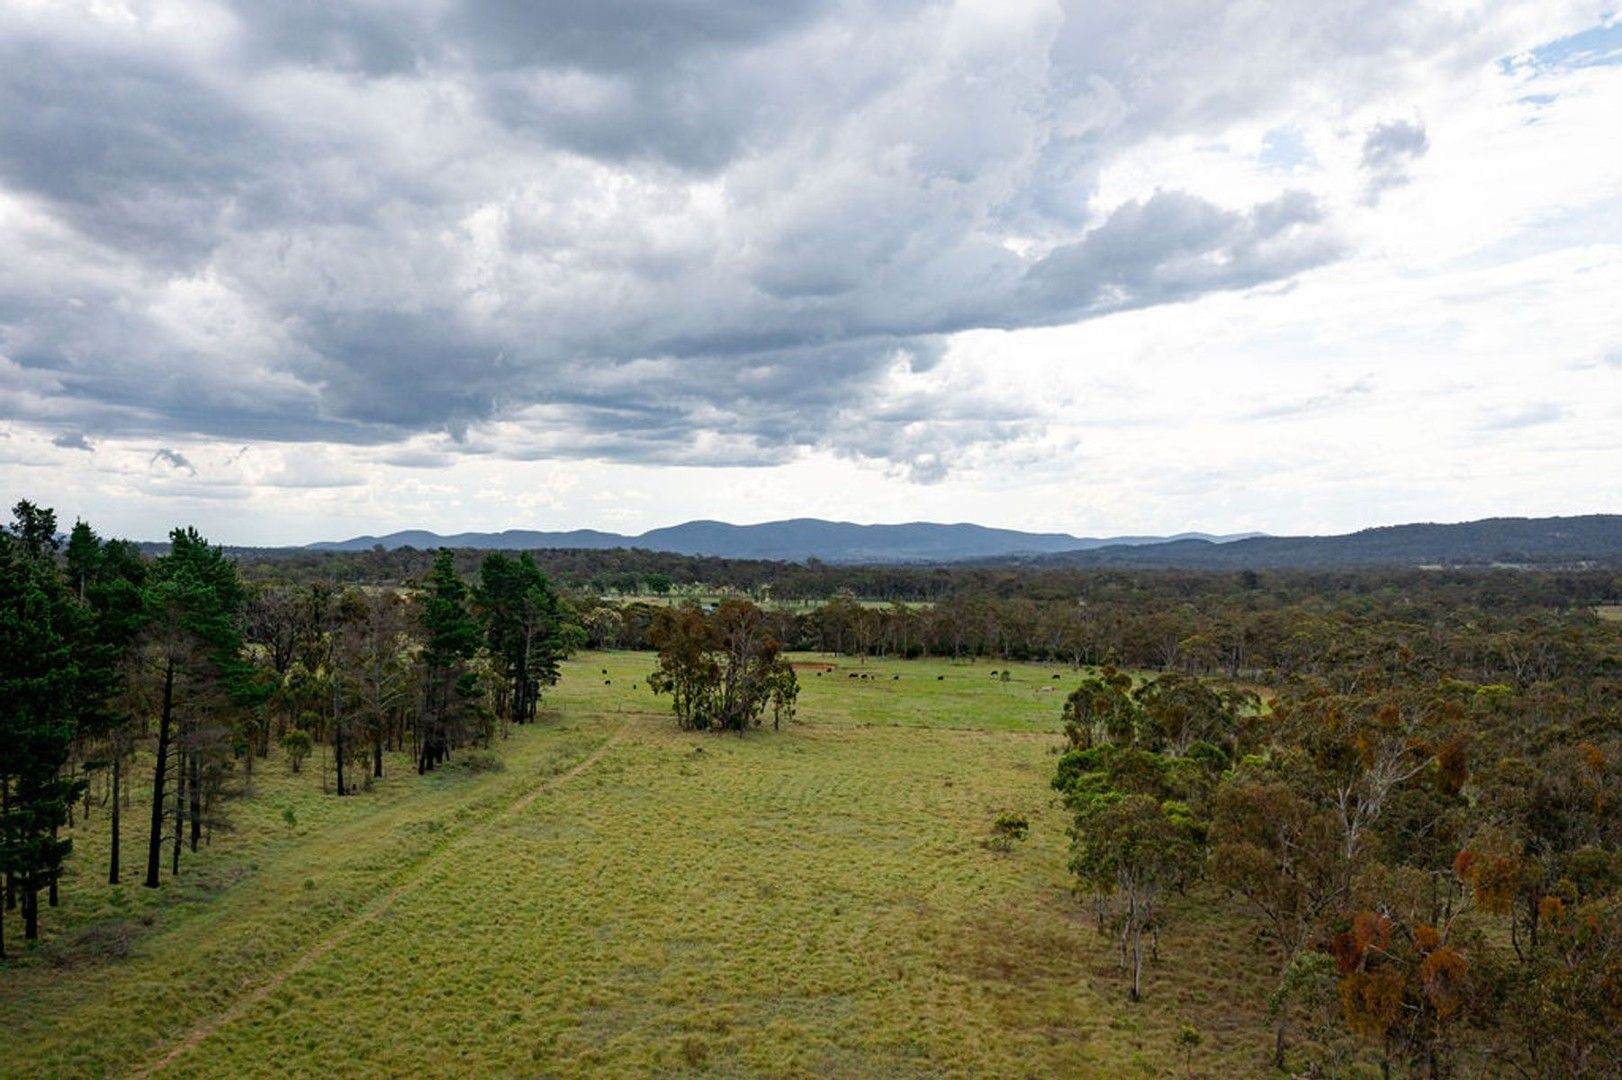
{"x": 343, "y": 932}
{"x": 809, "y": 902}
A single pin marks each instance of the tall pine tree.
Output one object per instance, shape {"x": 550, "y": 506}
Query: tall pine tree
{"x": 193, "y": 646}
{"x": 450, "y": 687}
{"x": 523, "y": 629}
{"x": 40, "y": 628}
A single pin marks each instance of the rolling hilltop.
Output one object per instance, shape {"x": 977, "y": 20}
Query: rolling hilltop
{"x": 1555, "y": 541}
{"x": 785, "y": 541}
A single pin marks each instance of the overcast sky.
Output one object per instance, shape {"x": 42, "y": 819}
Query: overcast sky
{"x": 300, "y": 270}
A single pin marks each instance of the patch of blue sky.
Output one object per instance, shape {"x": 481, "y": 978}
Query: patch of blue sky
{"x": 1598, "y": 46}
{"x": 1284, "y": 149}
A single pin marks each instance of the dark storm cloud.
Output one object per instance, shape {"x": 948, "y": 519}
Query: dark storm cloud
{"x": 127, "y": 149}
{"x": 72, "y": 441}
{"x": 374, "y": 39}
{"x": 652, "y": 230}
{"x": 620, "y": 35}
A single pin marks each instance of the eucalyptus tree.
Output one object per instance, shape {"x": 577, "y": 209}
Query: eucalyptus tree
{"x": 722, "y": 670}
{"x": 373, "y": 657}
{"x": 689, "y": 670}
{"x": 753, "y": 671}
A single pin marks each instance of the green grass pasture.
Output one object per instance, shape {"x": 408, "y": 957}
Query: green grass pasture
{"x": 628, "y": 900}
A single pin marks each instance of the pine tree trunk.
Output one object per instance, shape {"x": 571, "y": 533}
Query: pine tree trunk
{"x": 196, "y": 800}
{"x": 112, "y": 858}
{"x": 154, "y": 851}
{"x": 180, "y": 809}
{"x": 5, "y": 804}
{"x": 30, "y": 908}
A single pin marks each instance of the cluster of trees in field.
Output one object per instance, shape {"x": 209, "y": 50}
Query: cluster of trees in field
{"x": 113, "y": 661}
{"x": 722, "y": 670}
{"x": 1430, "y": 861}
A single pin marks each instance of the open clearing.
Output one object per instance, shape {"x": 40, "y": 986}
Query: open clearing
{"x": 625, "y": 899}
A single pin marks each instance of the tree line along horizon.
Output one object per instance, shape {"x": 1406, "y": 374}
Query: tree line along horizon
{"x": 1406, "y": 780}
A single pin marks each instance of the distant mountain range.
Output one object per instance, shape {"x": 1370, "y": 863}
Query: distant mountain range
{"x": 791, "y": 541}
{"x": 1553, "y": 541}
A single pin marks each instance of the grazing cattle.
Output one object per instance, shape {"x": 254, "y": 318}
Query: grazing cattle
{"x": 1044, "y": 690}
{"x": 940, "y": 678}
{"x": 855, "y": 675}
{"x": 895, "y": 678}
{"x": 605, "y": 671}
{"x": 608, "y": 682}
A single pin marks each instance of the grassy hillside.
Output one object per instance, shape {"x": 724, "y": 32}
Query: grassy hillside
{"x": 624, "y": 899}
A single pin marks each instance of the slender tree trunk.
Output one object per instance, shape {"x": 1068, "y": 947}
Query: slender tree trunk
{"x": 154, "y": 851}
{"x": 1137, "y": 965}
{"x": 52, "y": 893}
{"x": 30, "y": 907}
{"x": 377, "y": 753}
{"x": 112, "y": 858}
{"x": 423, "y": 725}
{"x": 180, "y": 809}
{"x": 338, "y": 738}
{"x": 5, "y": 805}
{"x": 196, "y": 799}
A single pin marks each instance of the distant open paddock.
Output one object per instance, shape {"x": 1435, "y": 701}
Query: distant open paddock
{"x": 884, "y": 692}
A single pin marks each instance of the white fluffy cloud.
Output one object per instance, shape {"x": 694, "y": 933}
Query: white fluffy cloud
{"x": 294, "y": 270}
